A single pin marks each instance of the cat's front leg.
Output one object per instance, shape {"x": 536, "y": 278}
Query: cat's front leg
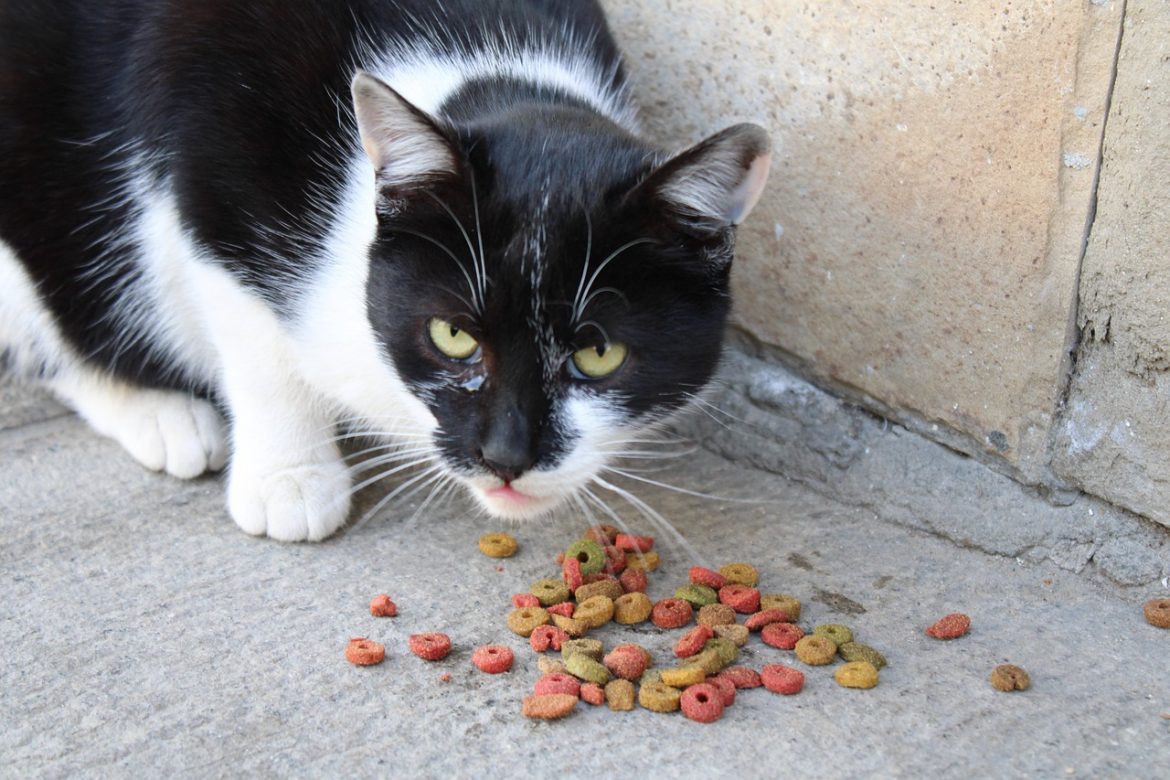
{"x": 287, "y": 479}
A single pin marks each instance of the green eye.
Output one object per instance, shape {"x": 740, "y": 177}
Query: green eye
{"x": 453, "y": 342}
{"x": 598, "y": 362}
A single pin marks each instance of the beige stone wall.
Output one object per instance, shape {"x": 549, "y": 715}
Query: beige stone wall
{"x": 1114, "y": 439}
{"x": 920, "y": 243}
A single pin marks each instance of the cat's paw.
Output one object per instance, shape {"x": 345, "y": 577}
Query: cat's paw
{"x": 163, "y": 430}
{"x": 291, "y": 504}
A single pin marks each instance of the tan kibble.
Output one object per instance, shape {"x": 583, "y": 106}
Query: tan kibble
{"x": 619, "y": 695}
{"x": 632, "y": 608}
{"x": 712, "y": 615}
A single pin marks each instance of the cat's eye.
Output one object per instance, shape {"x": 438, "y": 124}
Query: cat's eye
{"x": 599, "y": 362}
{"x": 452, "y": 341}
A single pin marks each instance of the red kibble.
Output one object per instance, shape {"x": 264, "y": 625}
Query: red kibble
{"x": 741, "y": 677}
{"x": 741, "y": 598}
{"x": 615, "y": 560}
{"x": 547, "y": 637}
{"x": 761, "y": 619}
{"x": 557, "y": 682}
{"x": 726, "y": 688}
{"x": 671, "y": 613}
{"x": 634, "y": 580}
{"x": 571, "y": 572}
{"x": 564, "y": 609}
{"x": 950, "y": 626}
{"x": 382, "y": 606}
{"x": 782, "y": 635}
{"x": 782, "y": 679}
{"x": 626, "y": 662}
{"x": 703, "y": 576}
{"x": 492, "y": 659}
{"x": 702, "y": 703}
{"x": 364, "y": 652}
{"x": 692, "y": 641}
{"x": 592, "y": 693}
{"x": 522, "y": 600}
{"x": 431, "y": 646}
{"x": 631, "y": 543}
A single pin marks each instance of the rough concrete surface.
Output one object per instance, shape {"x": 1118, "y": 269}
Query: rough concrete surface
{"x": 143, "y": 635}
{"x": 1114, "y": 436}
{"x": 920, "y": 236}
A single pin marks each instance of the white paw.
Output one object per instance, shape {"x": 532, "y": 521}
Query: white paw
{"x": 292, "y": 504}
{"x": 164, "y": 430}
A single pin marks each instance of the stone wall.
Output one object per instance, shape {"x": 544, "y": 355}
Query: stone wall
{"x": 920, "y": 245}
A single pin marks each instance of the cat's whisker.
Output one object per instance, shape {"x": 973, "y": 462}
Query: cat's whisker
{"x": 388, "y": 472}
{"x": 394, "y": 454}
{"x": 481, "y": 268}
{"x": 579, "y": 308}
{"x": 470, "y": 247}
{"x": 654, "y": 517}
{"x": 447, "y": 251}
{"x": 621, "y": 524}
{"x": 585, "y": 266}
{"x": 675, "y": 488}
{"x": 428, "y": 473}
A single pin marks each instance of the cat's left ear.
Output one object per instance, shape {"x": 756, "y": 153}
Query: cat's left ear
{"x": 402, "y": 142}
{"x": 716, "y": 183}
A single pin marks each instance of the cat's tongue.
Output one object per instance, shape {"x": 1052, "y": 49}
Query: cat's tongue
{"x": 508, "y": 493}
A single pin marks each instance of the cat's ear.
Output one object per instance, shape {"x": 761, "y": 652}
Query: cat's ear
{"x": 402, "y": 142}
{"x": 714, "y": 184}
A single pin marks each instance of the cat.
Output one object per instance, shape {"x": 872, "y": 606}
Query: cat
{"x": 227, "y": 229}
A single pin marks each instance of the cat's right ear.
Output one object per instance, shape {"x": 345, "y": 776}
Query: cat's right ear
{"x": 403, "y": 143}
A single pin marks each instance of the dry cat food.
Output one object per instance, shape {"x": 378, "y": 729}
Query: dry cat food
{"x": 632, "y": 608}
{"x": 431, "y": 646}
{"x": 1008, "y": 677}
{"x": 364, "y": 652}
{"x": 525, "y": 620}
{"x": 596, "y": 611}
{"x": 658, "y": 697}
{"x": 589, "y": 554}
{"x": 742, "y": 677}
{"x": 1157, "y": 612}
{"x": 628, "y": 662}
{"x": 734, "y": 633}
{"x": 634, "y": 581}
{"x": 816, "y": 650}
{"x": 619, "y": 695}
{"x": 592, "y": 693}
{"x": 698, "y": 596}
{"x": 557, "y": 682}
{"x": 382, "y": 606}
{"x": 671, "y": 613}
{"x": 702, "y": 702}
{"x": 856, "y": 674}
{"x": 549, "y": 706}
{"x": 790, "y": 605}
{"x": 782, "y": 679}
{"x": 715, "y": 615}
{"x": 700, "y": 575}
{"x": 683, "y": 676}
{"x": 950, "y": 626}
{"x": 725, "y": 687}
{"x": 520, "y": 600}
{"x": 855, "y": 651}
{"x": 602, "y": 534}
{"x": 766, "y": 616}
{"x": 631, "y": 543}
{"x": 782, "y": 635}
{"x": 838, "y": 633}
{"x": 498, "y": 545}
{"x": 692, "y": 641}
{"x": 740, "y": 574}
{"x": 744, "y": 599}
{"x": 492, "y": 659}
{"x": 546, "y": 637}
{"x": 645, "y": 561}
{"x": 585, "y": 668}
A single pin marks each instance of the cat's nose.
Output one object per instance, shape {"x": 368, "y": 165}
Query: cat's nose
{"x": 505, "y": 447}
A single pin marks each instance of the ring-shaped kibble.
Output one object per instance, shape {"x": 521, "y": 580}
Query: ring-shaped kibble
{"x": 584, "y": 667}
{"x": 744, "y": 599}
{"x": 430, "y": 646}
{"x": 571, "y": 626}
{"x": 734, "y": 633}
{"x": 726, "y": 688}
{"x": 856, "y": 674}
{"x": 589, "y": 553}
{"x": 698, "y": 595}
{"x": 740, "y": 574}
{"x": 766, "y": 616}
{"x": 550, "y": 591}
{"x": 782, "y": 679}
{"x": 838, "y": 633}
{"x": 632, "y": 608}
{"x": 642, "y": 561}
{"x": 715, "y": 615}
{"x": 557, "y": 682}
{"x": 619, "y": 695}
{"x": 524, "y": 621}
{"x": 603, "y": 534}
{"x": 816, "y": 650}
{"x": 787, "y": 604}
{"x": 702, "y": 703}
{"x": 708, "y": 659}
{"x": 727, "y": 650}
{"x": 855, "y": 651}
{"x": 683, "y": 676}
{"x": 1157, "y": 612}
{"x": 1009, "y": 677}
{"x": 634, "y": 580}
{"x": 364, "y": 652}
{"x": 591, "y": 648}
{"x": 615, "y": 560}
{"x": 596, "y": 611}
{"x": 492, "y": 659}
{"x": 700, "y": 575}
{"x": 742, "y": 677}
{"x": 692, "y": 641}
{"x": 498, "y": 545}
{"x": 607, "y": 587}
{"x": 547, "y": 637}
{"x": 659, "y": 697}
{"x": 627, "y": 662}
{"x": 631, "y": 543}
{"x": 782, "y": 635}
{"x": 671, "y": 613}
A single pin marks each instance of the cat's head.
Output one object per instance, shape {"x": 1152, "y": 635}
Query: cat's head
{"x": 548, "y": 285}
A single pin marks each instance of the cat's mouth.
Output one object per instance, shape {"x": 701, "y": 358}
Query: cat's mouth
{"x": 512, "y": 500}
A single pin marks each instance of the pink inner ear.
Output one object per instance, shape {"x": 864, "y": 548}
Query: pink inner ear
{"x": 747, "y": 194}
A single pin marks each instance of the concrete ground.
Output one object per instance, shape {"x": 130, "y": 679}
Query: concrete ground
{"x": 142, "y": 634}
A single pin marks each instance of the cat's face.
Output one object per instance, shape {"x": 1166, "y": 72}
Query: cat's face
{"x": 547, "y": 300}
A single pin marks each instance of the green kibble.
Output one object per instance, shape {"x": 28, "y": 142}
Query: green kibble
{"x": 589, "y": 553}
{"x": 651, "y": 676}
{"x": 698, "y": 595}
{"x": 550, "y": 591}
{"x": 709, "y": 660}
{"x": 727, "y": 650}
{"x": 855, "y": 651}
{"x": 841, "y": 635}
{"x": 584, "y": 667}
{"x": 590, "y": 648}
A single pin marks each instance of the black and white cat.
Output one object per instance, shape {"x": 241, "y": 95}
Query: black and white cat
{"x": 431, "y": 220}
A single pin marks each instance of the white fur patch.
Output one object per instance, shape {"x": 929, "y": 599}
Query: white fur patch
{"x": 28, "y": 333}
